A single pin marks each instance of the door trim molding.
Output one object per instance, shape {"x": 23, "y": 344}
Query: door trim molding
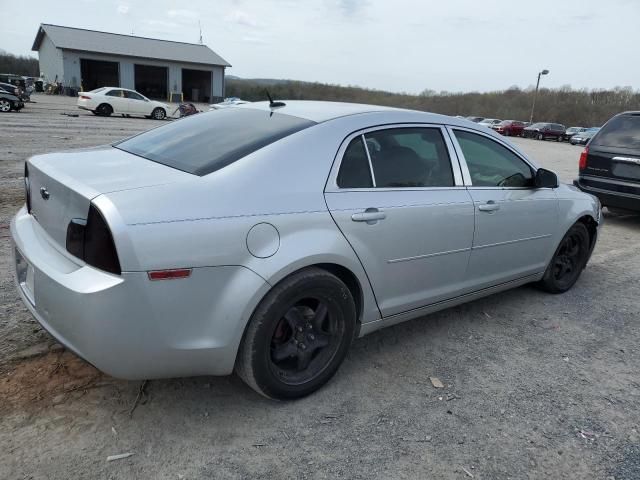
{"x": 536, "y": 237}
{"x": 428, "y": 255}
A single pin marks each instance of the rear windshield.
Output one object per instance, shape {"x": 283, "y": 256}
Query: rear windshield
{"x": 621, "y": 131}
{"x": 206, "y": 142}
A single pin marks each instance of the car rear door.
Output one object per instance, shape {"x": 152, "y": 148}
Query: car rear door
{"x": 515, "y": 222}
{"x": 613, "y": 155}
{"x": 116, "y": 99}
{"x": 396, "y": 193}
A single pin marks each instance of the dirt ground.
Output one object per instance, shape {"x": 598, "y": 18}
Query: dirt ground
{"x": 535, "y": 385}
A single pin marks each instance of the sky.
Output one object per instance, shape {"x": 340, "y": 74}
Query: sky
{"x": 396, "y": 45}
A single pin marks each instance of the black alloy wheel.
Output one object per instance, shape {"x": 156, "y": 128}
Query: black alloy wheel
{"x": 304, "y": 341}
{"x": 298, "y": 335}
{"x": 569, "y": 260}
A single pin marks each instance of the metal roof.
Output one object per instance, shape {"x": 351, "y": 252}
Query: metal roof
{"x": 71, "y": 38}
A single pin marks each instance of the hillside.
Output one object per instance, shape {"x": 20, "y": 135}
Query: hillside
{"x": 564, "y": 105}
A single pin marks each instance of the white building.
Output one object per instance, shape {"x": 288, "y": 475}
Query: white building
{"x": 156, "y": 68}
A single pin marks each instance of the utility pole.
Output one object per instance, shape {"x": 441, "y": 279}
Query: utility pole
{"x": 200, "y": 27}
{"x": 535, "y": 95}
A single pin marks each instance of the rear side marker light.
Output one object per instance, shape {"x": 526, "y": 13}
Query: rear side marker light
{"x": 169, "y": 274}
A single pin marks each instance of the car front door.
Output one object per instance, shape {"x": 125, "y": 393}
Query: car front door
{"x": 137, "y": 104}
{"x": 399, "y": 199}
{"x": 515, "y": 222}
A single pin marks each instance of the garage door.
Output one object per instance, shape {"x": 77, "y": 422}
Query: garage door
{"x": 196, "y": 85}
{"x": 151, "y": 81}
{"x": 98, "y": 73}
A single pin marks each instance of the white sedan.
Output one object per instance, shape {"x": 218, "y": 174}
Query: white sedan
{"x": 107, "y": 100}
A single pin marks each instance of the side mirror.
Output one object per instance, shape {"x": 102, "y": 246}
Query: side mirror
{"x": 545, "y": 179}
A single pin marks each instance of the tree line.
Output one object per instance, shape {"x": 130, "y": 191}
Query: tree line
{"x": 563, "y": 105}
{"x": 19, "y": 65}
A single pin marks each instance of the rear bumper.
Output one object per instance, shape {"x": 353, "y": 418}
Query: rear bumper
{"x": 129, "y": 326}
{"x": 610, "y": 193}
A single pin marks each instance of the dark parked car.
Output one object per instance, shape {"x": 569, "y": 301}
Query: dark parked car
{"x": 610, "y": 163}
{"x": 9, "y": 102}
{"x": 571, "y": 131}
{"x": 15, "y": 90}
{"x": 583, "y": 138}
{"x": 509, "y": 128}
{"x": 543, "y": 131}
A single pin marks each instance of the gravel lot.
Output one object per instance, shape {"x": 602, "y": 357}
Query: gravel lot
{"x": 535, "y": 385}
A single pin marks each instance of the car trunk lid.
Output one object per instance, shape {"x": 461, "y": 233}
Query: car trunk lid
{"x": 62, "y": 185}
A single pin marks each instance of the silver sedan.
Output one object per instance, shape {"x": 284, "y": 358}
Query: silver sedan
{"x": 265, "y": 237}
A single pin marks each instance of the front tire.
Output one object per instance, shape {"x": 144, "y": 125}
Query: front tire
{"x": 5, "y": 105}
{"x": 158, "y": 113}
{"x": 540, "y": 136}
{"x": 298, "y": 336}
{"x": 568, "y": 261}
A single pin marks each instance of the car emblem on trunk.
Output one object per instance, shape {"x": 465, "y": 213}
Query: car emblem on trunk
{"x": 44, "y": 193}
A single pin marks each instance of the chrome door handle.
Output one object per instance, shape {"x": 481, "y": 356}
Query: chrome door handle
{"x": 370, "y": 215}
{"x": 490, "y": 206}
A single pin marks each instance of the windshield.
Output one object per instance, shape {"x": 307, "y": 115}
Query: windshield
{"x": 621, "y": 131}
{"x": 203, "y": 143}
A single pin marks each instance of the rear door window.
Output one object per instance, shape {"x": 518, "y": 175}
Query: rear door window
{"x": 203, "y": 143}
{"x": 354, "y": 169}
{"x": 622, "y": 131}
{"x": 409, "y": 157}
{"x": 114, "y": 93}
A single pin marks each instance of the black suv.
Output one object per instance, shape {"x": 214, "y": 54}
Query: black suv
{"x": 610, "y": 163}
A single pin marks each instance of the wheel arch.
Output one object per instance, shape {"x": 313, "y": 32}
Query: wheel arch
{"x": 592, "y": 228}
{"x": 342, "y": 272}
{"x": 348, "y": 277}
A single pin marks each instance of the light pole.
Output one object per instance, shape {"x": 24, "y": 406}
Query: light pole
{"x": 535, "y": 95}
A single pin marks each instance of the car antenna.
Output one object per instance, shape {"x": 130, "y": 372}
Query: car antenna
{"x": 273, "y": 104}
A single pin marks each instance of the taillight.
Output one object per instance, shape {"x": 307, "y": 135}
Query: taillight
{"x": 84, "y": 97}
{"x": 91, "y": 241}
{"x": 583, "y": 158}
{"x": 27, "y": 187}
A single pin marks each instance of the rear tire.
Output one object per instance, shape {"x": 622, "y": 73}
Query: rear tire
{"x": 298, "y": 335}
{"x": 104, "y": 110}
{"x": 568, "y": 261}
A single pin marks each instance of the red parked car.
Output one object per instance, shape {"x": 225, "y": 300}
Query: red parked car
{"x": 509, "y": 128}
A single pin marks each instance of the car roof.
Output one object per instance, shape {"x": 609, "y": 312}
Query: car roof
{"x": 318, "y": 111}
{"x": 322, "y": 111}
